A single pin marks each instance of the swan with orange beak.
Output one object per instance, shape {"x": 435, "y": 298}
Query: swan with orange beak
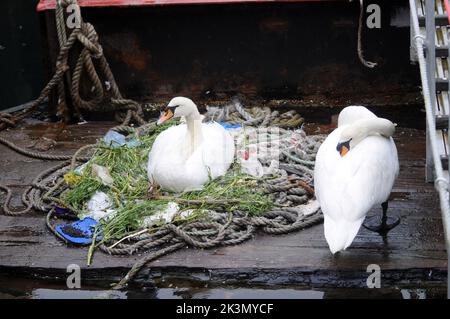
{"x": 185, "y": 156}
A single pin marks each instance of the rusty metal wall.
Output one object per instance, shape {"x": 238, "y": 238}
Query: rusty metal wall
{"x": 301, "y": 52}
{"x": 21, "y": 65}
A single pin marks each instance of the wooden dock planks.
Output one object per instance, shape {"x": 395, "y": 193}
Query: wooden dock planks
{"x": 413, "y": 252}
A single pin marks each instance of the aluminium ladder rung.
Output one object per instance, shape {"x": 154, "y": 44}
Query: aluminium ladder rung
{"x": 441, "y": 20}
{"x": 441, "y": 122}
{"x": 441, "y": 85}
{"x": 444, "y": 161}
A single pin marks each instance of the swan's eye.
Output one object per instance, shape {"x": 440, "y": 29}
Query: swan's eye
{"x": 171, "y": 108}
{"x": 343, "y": 147}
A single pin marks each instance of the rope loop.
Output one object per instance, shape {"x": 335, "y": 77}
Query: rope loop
{"x": 7, "y": 119}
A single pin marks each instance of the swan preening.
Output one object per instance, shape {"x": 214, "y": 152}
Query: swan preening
{"x": 186, "y": 156}
{"x": 356, "y": 167}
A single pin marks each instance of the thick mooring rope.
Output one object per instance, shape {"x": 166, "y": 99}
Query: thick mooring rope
{"x": 105, "y": 95}
{"x": 235, "y": 113}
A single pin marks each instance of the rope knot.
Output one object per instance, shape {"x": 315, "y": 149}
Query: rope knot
{"x": 7, "y": 119}
{"x": 66, "y": 3}
{"x": 89, "y": 39}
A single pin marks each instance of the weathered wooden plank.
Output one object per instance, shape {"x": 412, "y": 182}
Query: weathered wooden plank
{"x": 26, "y": 242}
{"x": 411, "y": 250}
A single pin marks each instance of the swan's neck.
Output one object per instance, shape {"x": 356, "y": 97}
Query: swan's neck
{"x": 367, "y": 127}
{"x": 194, "y": 136}
{"x": 377, "y": 126}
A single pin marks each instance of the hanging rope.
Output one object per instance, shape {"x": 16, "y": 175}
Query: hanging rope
{"x": 360, "y": 27}
{"x": 91, "y": 62}
{"x": 109, "y": 99}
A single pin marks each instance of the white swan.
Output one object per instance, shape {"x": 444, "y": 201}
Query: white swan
{"x": 186, "y": 156}
{"x": 356, "y": 167}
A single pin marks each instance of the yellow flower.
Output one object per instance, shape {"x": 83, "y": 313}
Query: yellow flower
{"x": 71, "y": 179}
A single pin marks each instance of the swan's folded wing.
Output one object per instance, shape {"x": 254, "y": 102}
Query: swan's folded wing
{"x": 164, "y": 146}
{"x": 348, "y": 187}
{"x": 368, "y": 176}
{"x": 218, "y": 150}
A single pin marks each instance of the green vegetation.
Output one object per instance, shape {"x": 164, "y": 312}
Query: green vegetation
{"x": 129, "y": 191}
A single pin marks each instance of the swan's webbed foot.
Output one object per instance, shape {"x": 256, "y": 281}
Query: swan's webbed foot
{"x": 382, "y": 224}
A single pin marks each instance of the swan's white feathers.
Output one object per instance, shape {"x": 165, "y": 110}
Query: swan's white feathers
{"x": 348, "y": 187}
{"x": 353, "y": 113}
{"x": 171, "y": 166}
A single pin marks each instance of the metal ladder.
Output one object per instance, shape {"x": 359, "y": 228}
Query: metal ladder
{"x": 430, "y": 48}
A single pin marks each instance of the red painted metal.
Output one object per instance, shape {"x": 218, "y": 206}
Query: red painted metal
{"x": 50, "y": 4}
{"x": 447, "y": 9}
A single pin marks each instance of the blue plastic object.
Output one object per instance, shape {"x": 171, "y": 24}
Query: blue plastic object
{"x": 79, "y": 232}
{"x": 229, "y": 126}
{"x": 115, "y": 139}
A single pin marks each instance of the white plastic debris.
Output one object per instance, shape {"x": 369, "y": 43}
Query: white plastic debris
{"x": 99, "y": 201}
{"x": 248, "y": 159}
{"x": 252, "y": 167}
{"x": 310, "y": 208}
{"x": 103, "y": 174}
{"x": 186, "y": 213}
{"x": 99, "y": 207}
{"x": 166, "y": 216}
{"x": 273, "y": 167}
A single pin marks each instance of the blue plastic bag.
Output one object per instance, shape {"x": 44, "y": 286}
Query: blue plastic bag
{"x": 80, "y": 232}
{"x": 115, "y": 139}
{"x": 229, "y": 126}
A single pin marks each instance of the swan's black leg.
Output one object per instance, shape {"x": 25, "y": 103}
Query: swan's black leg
{"x": 384, "y": 224}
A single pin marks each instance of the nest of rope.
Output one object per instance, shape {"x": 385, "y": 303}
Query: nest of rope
{"x": 227, "y": 211}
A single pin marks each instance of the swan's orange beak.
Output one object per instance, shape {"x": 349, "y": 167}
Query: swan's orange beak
{"x": 167, "y": 115}
{"x": 344, "y": 150}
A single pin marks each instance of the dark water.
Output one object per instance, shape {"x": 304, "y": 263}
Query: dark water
{"x": 20, "y": 288}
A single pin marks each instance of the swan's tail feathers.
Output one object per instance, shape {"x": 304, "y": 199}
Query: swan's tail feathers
{"x": 340, "y": 234}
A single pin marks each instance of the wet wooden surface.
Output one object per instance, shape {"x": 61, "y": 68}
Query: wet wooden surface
{"x": 412, "y": 252}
